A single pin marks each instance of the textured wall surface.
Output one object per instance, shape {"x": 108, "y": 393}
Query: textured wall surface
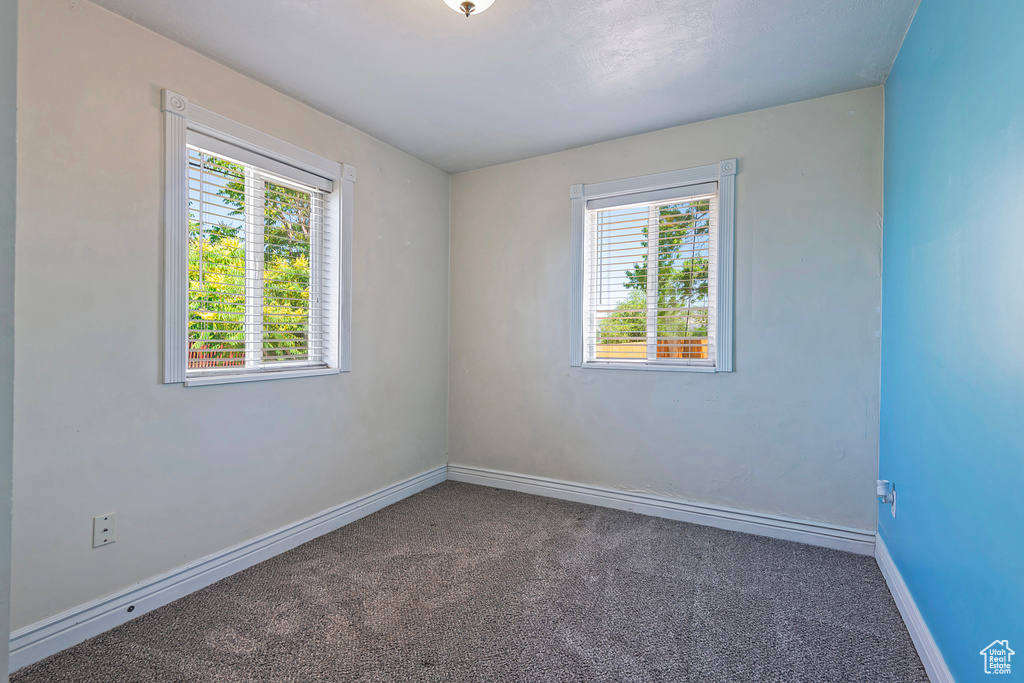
{"x": 8, "y": 174}
{"x": 794, "y": 430}
{"x": 952, "y": 422}
{"x": 194, "y": 470}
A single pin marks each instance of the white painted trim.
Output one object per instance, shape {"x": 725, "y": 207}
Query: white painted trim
{"x": 724, "y": 174}
{"x": 262, "y": 376}
{"x": 651, "y": 196}
{"x": 654, "y": 181}
{"x": 726, "y": 259}
{"x": 44, "y": 638}
{"x": 347, "y": 211}
{"x": 660, "y": 367}
{"x": 860, "y": 541}
{"x": 244, "y": 155}
{"x": 927, "y": 648}
{"x": 579, "y": 211}
{"x": 182, "y": 116}
{"x": 175, "y": 313}
{"x": 221, "y": 127}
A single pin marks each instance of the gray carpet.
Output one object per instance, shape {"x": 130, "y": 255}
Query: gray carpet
{"x": 467, "y": 583}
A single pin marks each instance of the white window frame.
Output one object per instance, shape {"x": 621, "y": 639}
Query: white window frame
{"x": 723, "y": 173}
{"x": 274, "y": 155}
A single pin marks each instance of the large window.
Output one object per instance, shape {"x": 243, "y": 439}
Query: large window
{"x": 257, "y": 287}
{"x": 653, "y": 271}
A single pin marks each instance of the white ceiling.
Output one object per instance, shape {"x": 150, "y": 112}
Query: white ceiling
{"x": 529, "y": 77}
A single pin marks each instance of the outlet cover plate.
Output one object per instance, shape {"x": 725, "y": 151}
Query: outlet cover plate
{"x": 104, "y": 529}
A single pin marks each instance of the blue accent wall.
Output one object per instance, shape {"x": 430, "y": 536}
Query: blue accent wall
{"x": 952, "y": 409}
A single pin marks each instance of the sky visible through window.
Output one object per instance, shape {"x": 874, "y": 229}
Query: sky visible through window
{"x": 612, "y": 279}
{"x": 648, "y": 313}
{"x": 620, "y": 253}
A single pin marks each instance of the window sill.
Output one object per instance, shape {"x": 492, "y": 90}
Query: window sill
{"x": 657, "y": 367}
{"x": 202, "y": 381}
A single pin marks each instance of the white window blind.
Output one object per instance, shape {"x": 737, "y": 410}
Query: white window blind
{"x": 260, "y": 294}
{"x": 650, "y": 274}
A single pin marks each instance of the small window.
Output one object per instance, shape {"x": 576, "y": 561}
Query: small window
{"x": 651, "y": 272}
{"x": 257, "y": 255}
{"x": 649, "y": 292}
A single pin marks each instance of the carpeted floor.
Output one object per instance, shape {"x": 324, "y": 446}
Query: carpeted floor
{"x": 467, "y": 583}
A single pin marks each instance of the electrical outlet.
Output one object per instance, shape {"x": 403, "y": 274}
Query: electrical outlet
{"x": 104, "y": 530}
{"x": 892, "y": 505}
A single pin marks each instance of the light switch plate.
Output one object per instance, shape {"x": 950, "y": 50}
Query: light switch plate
{"x": 104, "y": 529}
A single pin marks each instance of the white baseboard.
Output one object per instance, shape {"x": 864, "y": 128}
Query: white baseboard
{"x": 861, "y": 541}
{"x": 44, "y": 638}
{"x": 927, "y": 649}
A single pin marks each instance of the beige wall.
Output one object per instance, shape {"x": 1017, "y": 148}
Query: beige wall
{"x": 190, "y": 471}
{"x": 8, "y": 173}
{"x": 794, "y": 430}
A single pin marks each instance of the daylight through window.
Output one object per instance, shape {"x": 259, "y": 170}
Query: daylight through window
{"x": 650, "y": 278}
{"x": 257, "y": 252}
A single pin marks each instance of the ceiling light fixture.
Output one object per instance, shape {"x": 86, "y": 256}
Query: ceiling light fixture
{"x": 468, "y": 7}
